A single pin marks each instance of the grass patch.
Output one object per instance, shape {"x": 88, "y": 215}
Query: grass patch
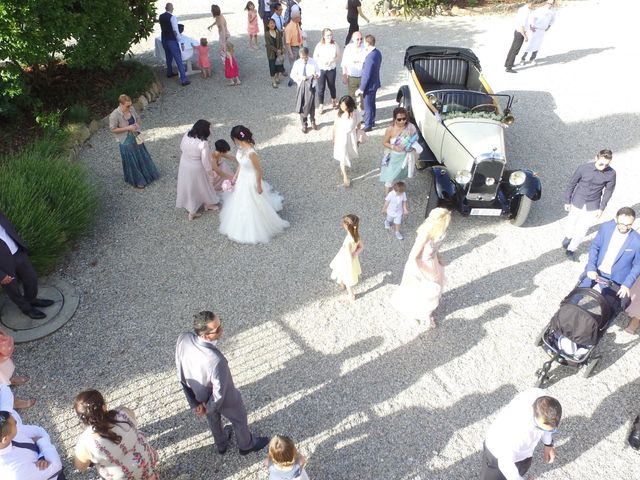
{"x": 48, "y": 199}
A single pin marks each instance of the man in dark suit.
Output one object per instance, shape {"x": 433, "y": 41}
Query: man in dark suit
{"x": 15, "y": 266}
{"x": 206, "y": 380}
{"x": 615, "y": 253}
{"x": 370, "y": 82}
{"x": 170, "y": 34}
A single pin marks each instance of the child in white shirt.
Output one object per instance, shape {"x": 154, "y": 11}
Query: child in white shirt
{"x": 395, "y": 206}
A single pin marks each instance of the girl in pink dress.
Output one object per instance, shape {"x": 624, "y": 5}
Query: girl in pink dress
{"x": 203, "y": 58}
{"x": 423, "y": 277}
{"x": 7, "y": 369}
{"x": 252, "y": 25}
{"x": 231, "y": 66}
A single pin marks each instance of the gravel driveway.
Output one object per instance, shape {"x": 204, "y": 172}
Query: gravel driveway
{"x": 363, "y": 392}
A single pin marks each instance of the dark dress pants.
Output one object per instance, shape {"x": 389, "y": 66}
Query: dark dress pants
{"x": 518, "y": 40}
{"x": 490, "y": 470}
{"x": 353, "y": 28}
{"x": 237, "y": 415}
{"x": 25, "y": 273}
{"x": 172, "y": 52}
{"x": 369, "y": 102}
{"x": 327, "y": 79}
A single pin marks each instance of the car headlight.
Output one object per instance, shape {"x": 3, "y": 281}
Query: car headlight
{"x": 462, "y": 177}
{"x": 517, "y": 178}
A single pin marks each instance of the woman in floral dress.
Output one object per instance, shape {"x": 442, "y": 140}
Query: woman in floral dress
{"x": 112, "y": 441}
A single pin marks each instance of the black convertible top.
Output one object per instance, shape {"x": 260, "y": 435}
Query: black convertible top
{"x": 416, "y": 52}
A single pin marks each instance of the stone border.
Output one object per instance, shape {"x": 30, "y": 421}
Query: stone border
{"x": 37, "y": 329}
{"x": 79, "y": 133}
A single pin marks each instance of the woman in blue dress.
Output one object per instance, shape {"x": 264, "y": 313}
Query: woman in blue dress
{"x": 124, "y": 122}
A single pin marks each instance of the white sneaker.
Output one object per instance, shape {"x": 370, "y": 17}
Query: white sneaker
{"x": 399, "y": 236}
{"x": 523, "y": 62}
{"x": 533, "y": 63}
{"x": 387, "y": 225}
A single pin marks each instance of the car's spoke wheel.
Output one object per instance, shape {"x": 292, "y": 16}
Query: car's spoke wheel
{"x": 432, "y": 194}
{"x": 522, "y": 212}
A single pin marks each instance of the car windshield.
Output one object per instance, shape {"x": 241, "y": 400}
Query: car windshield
{"x": 469, "y": 103}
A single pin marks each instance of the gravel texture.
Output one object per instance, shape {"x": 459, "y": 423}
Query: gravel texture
{"x": 363, "y": 392}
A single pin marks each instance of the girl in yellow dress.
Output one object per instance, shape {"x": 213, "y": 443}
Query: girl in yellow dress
{"x": 345, "y": 266}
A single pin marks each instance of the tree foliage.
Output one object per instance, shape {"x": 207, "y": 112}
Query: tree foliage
{"x": 34, "y": 34}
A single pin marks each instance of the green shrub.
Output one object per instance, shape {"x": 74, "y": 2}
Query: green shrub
{"x": 136, "y": 80}
{"x": 49, "y": 200}
{"x": 77, "y": 114}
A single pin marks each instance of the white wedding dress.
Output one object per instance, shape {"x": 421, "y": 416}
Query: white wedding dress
{"x": 246, "y": 215}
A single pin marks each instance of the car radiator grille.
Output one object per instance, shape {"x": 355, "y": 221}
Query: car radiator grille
{"x": 485, "y": 180}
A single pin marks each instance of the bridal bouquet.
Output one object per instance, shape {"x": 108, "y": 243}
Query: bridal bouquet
{"x": 227, "y": 186}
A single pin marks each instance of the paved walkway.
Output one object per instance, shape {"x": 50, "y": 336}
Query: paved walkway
{"x": 363, "y": 392}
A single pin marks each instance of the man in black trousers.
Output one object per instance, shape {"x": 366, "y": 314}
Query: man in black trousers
{"x": 15, "y": 266}
{"x": 520, "y": 32}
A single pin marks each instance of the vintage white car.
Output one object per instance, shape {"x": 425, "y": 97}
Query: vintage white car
{"x": 463, "y": 122}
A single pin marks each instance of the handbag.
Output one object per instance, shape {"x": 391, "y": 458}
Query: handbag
{"x": 361, "y": 136}
{"x": 139, "y": 138}
{"x": 280, "y": 59}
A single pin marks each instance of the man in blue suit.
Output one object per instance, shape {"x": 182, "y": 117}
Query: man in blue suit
{"x": 370, "y": 82}
{"x": 615, "y": 253}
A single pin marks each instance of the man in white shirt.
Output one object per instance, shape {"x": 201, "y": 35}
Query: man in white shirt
{"x": 305, "y": 73}
{"x": 352, "y": 62}
{"x": 513, "y": 436}
{"x": 278, "y": 17}
{"x": 26, "y": 452}
{"x": 170, "y": 35}
{"x": 520, "y": 32}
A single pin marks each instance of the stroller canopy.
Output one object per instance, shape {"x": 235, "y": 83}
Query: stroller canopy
{"x": 581, "y": 316}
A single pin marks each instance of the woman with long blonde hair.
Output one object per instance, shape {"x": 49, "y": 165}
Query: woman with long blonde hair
{"x": 423, "y": 278}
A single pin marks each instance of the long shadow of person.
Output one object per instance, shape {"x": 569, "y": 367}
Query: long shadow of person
{"x": 331, "y": 389}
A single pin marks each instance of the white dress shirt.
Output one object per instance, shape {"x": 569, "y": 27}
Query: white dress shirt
{"x": 174, "y": 26}
{"x": 300, "y": 71}
{"x": 279, "y": 21}
{"x": 325, "y": 55}
{"x": 613, "y": 249}
{"x": 6, "y": 238}
{"x": 17, "y": 463}
{"x": 522, "y": 18}
{"x": 513, "y": 435}
{"x": 353, "y": 59}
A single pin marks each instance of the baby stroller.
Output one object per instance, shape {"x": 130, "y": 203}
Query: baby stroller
{"x": 576, "y": 328}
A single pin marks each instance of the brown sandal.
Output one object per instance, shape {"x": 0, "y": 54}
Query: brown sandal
{"x": 19, "y": 380}
{"x": 634, "y": 323}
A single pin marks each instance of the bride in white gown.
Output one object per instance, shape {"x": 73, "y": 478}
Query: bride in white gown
{"x": 249, "y": 213}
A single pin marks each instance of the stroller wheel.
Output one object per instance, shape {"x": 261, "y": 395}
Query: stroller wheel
{"x": 590, "y": 366}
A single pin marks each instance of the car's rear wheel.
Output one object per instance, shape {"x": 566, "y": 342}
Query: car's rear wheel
{"x": 432, "y": 194}
{"x": 522, "y": 211}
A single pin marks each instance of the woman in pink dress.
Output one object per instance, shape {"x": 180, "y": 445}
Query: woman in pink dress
{"x": 423, "y": 278}
{"x": 223, "y": 32}
{"x": 194, "y": 190}
{"x": 7, "y": 368}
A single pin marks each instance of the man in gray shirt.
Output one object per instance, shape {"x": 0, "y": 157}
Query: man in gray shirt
{"x": 206, "y": 380}
{"x": 586, "y": 196}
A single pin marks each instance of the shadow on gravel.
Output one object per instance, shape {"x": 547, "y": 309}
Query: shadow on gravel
{"x": 535, "y": 110}
{"x": 566, "y": 57}
{"x": 583, "y": 433}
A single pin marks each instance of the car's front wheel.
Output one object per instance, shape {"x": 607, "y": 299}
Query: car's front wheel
{"x": 432, "y": 194}
{"x": 522, "y": 210}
